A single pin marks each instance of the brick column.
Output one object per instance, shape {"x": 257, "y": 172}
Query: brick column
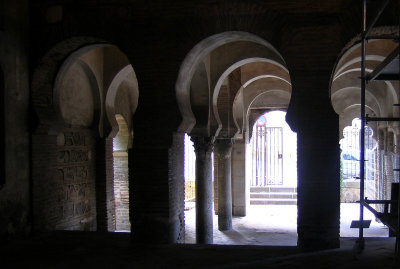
{"x": 204, "y": 206}
{"x": 224, "y": 150}
{"x": 240, "y": 188}
{"x": 121, "y": 191}
{"x": 101, "y": 205}
{"x": 104, "y": 185}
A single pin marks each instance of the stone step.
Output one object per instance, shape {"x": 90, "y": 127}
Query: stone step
{"x": 261, "y": 201}
{"x": 274, "y": 195}
{"x": 273, "y": 189}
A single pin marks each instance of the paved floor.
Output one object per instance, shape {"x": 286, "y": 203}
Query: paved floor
{"x": 274, "y": 225}
{"x": 64, "y": 250}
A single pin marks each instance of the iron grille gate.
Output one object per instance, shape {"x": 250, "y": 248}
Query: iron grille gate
{"x": 350, "y": 155}
{"x": 267, "y": 156}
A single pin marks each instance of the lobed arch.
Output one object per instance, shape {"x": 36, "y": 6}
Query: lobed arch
{"x": 210, "y": 95}
{"x": 83, "y": 90}
{"x": 274, "y": 91}
{"x": 352, "y": 112}
{"x": 265, "y": 75}
{"x": 225, "y": 74}
{"x": 122, "y": 100}
{"x": 201, "y": 53}
{"x": 345, "y": 83}
{"x": 274, "y": 99}
{"x": 376, "y": 49}
{"x": 86, "y": 57}
{"x": 350, "y": 96}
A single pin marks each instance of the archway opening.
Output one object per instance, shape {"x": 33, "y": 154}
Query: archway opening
{"x": 274, "y": 152}
{"x": 380, "y": 156}
{"x": 273, "y": 180}
{"x": 221, "y": 80}
{"x": 350, "y": 179}
{"x": 190, "y": 191}
{"x": 190, "y": 174}
{"x": 271, "y": 176}
{"x": 95, "y": 95}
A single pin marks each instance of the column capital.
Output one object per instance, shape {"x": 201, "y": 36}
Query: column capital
{"x": 202, "y": 144}
{"x": 224, "y": 147}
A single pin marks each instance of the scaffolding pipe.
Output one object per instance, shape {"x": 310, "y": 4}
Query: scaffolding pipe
{"x": 362, "y": 133}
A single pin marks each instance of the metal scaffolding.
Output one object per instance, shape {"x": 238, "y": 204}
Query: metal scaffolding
{"x": 387, "y": 70}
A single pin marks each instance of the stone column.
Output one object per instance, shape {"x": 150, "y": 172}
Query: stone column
{"x": 224, "y": 150}
{"x": 203, "y": 147}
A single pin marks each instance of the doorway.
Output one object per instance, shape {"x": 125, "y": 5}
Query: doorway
{"x": 350, "y": 179}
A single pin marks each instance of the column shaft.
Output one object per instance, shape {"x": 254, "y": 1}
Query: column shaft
{"x": 204, "y": 206}
{"x": 223, "y": 150}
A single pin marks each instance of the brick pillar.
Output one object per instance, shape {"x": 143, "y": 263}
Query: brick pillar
{"x": 104, "y": 185}
{"x": 121, "y": 191}
{"x": 223, "y": 152}
{"x": 204, "y": 206}
{"x": 318, "y": 192}
{"x": 148, "y": 192}
{"x": 110, "y": 185}
{"x": 240, "y": 188}
{"x": 318, "y": 166}
{"x": 215, "y": 186}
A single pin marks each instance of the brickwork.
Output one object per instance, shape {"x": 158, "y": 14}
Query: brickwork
{"x": 215, "y": 185}
{"x": 110, "y": 198}
{"x": 388, "y": 174}
{"x": 318, "y": 183}
{"x": 121, "y": 191}
{"x": 15, "y": 167}
{"x": 64, "y": 182}
{"x": 156, "y": 37}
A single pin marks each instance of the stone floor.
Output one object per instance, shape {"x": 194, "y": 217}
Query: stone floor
{"x": 65, "y": 250}
{"x": 274, "y": 225}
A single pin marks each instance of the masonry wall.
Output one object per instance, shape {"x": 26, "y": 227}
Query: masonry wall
{"x": 15, "y": 183}
{"x": 64, "y": 180}
{"x": 157, "y": 36}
